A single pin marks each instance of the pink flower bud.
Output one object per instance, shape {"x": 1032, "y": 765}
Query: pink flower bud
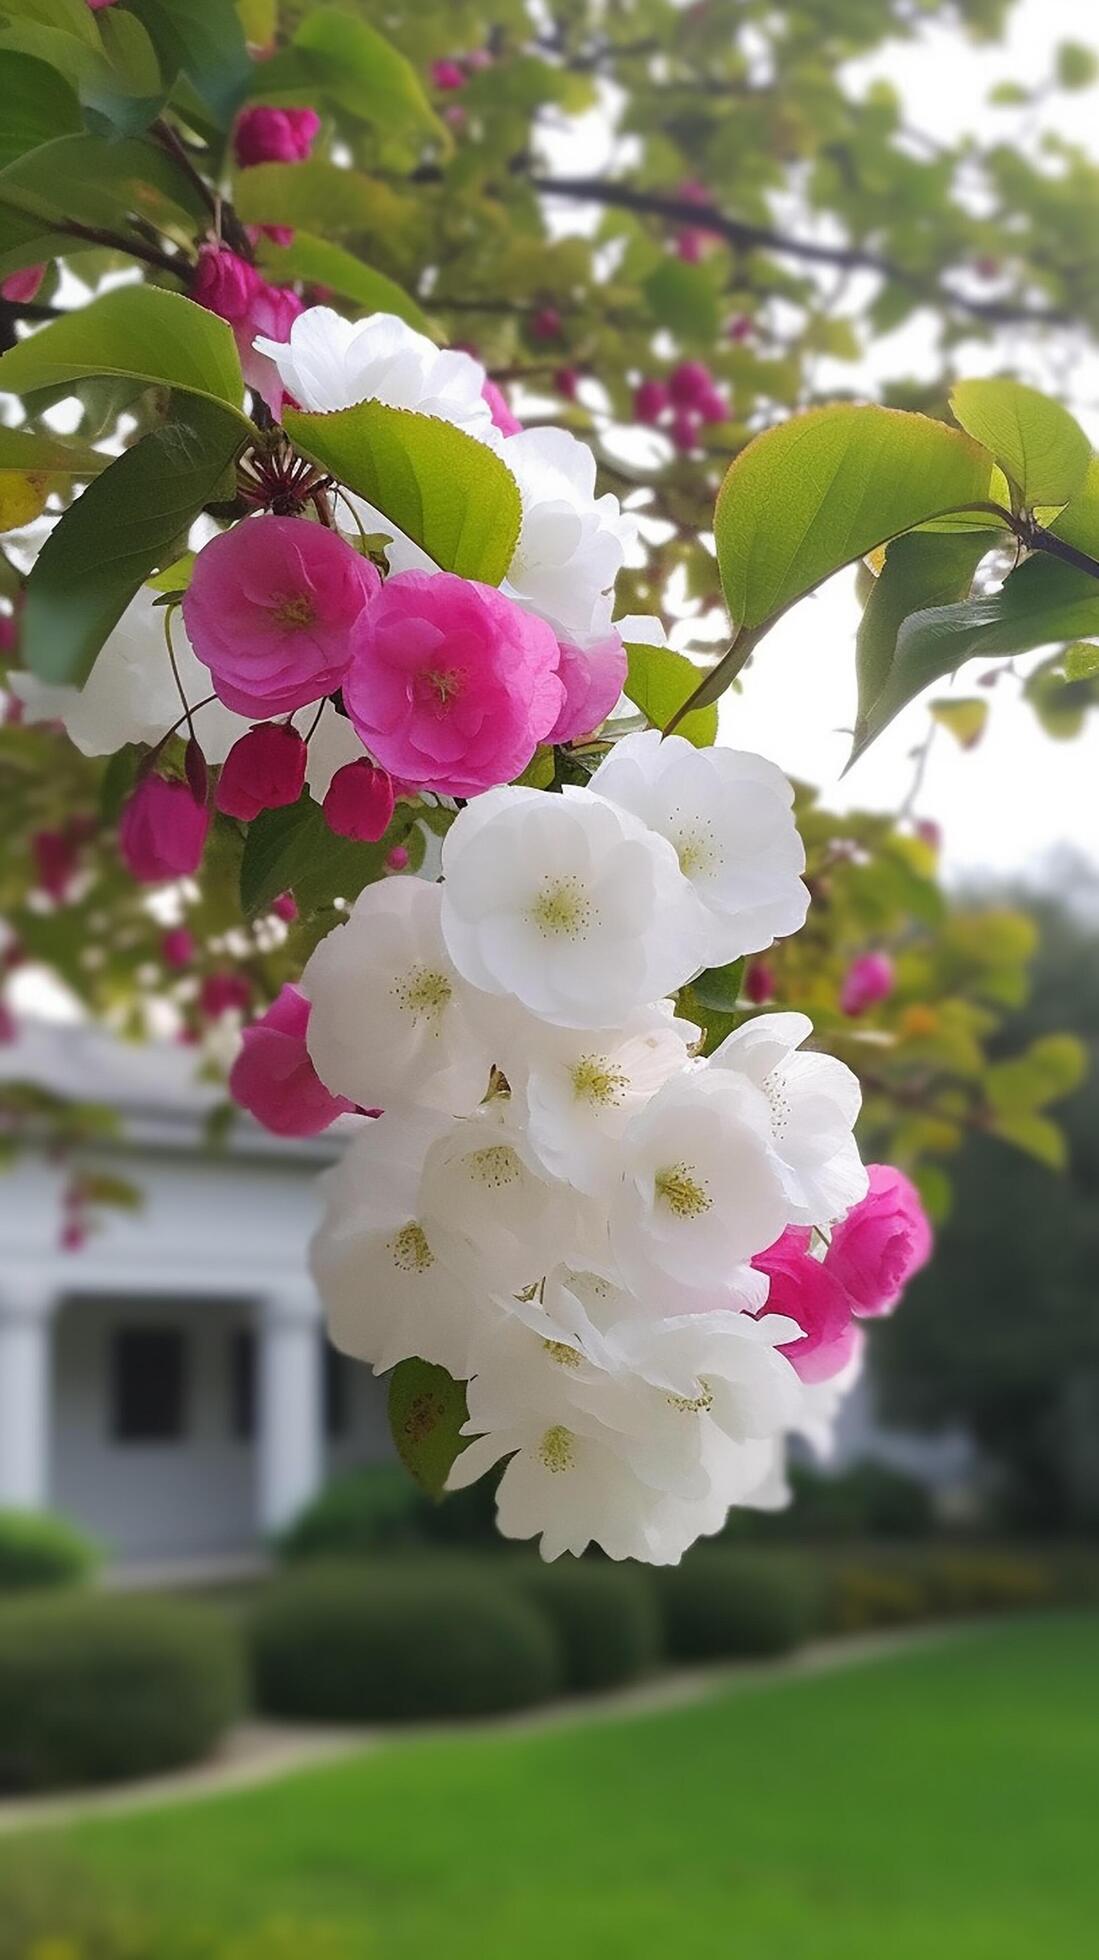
{"x": 566, "y": 381}
{"x": 273, "y": 1077}
{"x": 759, "y": 983}
{"x": 20, "y": 287}
{"x": 507, "y": 423}
{"x": 266, "y": 135}
{"x": 162, "y": 830}
{"x": 930, "y": 833}
{"x": 96, "y": 5}
{"x": 684, "y": 431}
{"x": 741, "y": 327}
{"x": 455, "y": 116}
{"x": 650, "y": 400}
{"x": 223, "y": 993}
{"x": 593, "y": 678}
{"x": 713, "y": 406}
{"x": 75, "y": 1233}
{"x": 398, "y": 860}
{"x": 177, "y": 948}
{"x": 224, "y": 283}
{"x": 8, "y": 1026}
{"x": 447, "y": 75}
{"x": 804, "y": 1290}
{"x": 689, "y": 384}
{"x": 868, "y": 979}
{"x": 274, "y": 609}
{"x": 55, "y": 862}
{"x": 883, "y": 1241}
{"x": 690, "y": 246}
{"x": 285, "y": 907}
{"x": 360, "y": 801}
{"x": 265, "y": 770}
{"x": 546, "y": 324}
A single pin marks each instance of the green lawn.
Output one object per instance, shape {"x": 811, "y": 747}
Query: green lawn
{"x": 936, "y": 1805}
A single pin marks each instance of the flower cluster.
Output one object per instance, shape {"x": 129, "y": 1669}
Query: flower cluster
{"x": 563, "y": 1204}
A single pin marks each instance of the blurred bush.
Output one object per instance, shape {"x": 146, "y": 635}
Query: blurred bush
{"x": 605, "y": 1616}
{"x": 378, "y": 1642}
{"x": 370, "y": 1510}
{"x": 720, "y": 1603}
{"x": 95, "y": 1688}
{"x": 39, "y": 1550}
{"x": 869, "y": 1500}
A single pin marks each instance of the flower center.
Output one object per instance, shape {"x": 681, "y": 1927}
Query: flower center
{"x": 564, "y": 1355}
{"x": 442, "y": 685}
{"x": 423, "y": 992}
{"x": 683, "y": 1191}
{"x": 774, "y": 1088}
{"x": 497, "y": 1166}
{"x": 410, "y": 1251}
{"x": 697, "y": 849}
{"x": 556, "y": 1449}
{"x": 562, "y": 909}
{"x": 294, "y": 609}
{"x": 597, "y": 1081}
{"x": 693, "y": 1405}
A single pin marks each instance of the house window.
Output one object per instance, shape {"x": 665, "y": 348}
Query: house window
{"x": 148, "y": 1384}
{"x": 242, "y": 1384}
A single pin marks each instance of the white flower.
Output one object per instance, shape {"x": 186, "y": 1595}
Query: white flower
{"x": 390, "y": 1024}
{"x": 571, "y": 543}
{"x": 579, "y": 1089}
{"x": 728, "y": 816}
{"x": 566, "y": 903}
{"x": 814, "y": 1101}
{"x": 330, "y": 363}
{"x": 131, "y": 693}
{"x": 701, "y": 1189}
{"x": 508, "y": 1224}
{"x": 381, "y": 1270}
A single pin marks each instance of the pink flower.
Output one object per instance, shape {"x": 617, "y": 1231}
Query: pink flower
{"x": 177, "y": 948}
{"x": 266, "y": 135}
{"x": 285, "y": 907}
{"x": 690, "y": 246}
{"x": 95, "y": 5}
{"x": 868, "y": 979}
{"x": 881, "y": 1243}
{"x": 650, "y": 400}
{"x": 20, "y": 287}
{"x": 9, "y": 1027}
{"x": 360, "y": 801}
{"x": 713, "y": 406}
{"x": 223, "y": 993}
{"x": 567, "y": 381}
{"x": 274, "y": 609}
{"x": 546, "y": 324}
{"x": 689, "y": 384}
{"x": 224, "y": 283}
{"x": 455, "y": 116}
{"x": 593, "y": 679}
{"x": 507, "y": 423}
{"x": 273, "y": 1077}
{"x": 741, "y": 327}
{"x": 453, "y": 685}
{"x": 759, "y": 983}
{"x": 271, "y": 312}
{"x": 265, "y": 770}
{"x": 447, "y": 75}
{"x": 804, "y": 1290}
{"x": 398, "y": 859}
{"x": 9, "y": 635}
{"x": 686, "y": 424}
{"x": 930, "y": 833}
{"x": 162, "y": 830}
{"x": 54, "y": 854}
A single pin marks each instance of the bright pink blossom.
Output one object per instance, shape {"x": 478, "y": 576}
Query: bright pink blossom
{"x": 273, "y": 1077}
{"x": 162, "y": 830}
{"x": 265, "y": 135}
{"x": 272, "y": 312}
{"x": 507, "y": 423}
{"x": 360, "y": 801}
{"x": 264, "y": 770}
{"x": 689, "y": 384}
{"x": 19, "y": 288}
{"x": 398, "y": 859}
{"x": 177, "y": 948}
{"x": 593, "y": 678}
{"x": 224, "y": 283}
{"x": 285, "y": 907}
{"x": 274, "y": 609}
{"x": 223, "y": 993}
{"x": 650, "y": 401}
{"x": 868, "y": 979}
{"x": 804, "y": 1290}
{"x": 453, "y": 685}
{"x": 882, "y": 1242}
{"x": 447, "y": 75}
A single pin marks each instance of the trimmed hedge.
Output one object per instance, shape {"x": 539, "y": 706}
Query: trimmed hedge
{"x": 369, "y": 1510}
{"x": 369, "y": 1643}
{"x": 38, "y": 1550}
{"x": 605, "y": 1617}
{"x": 94, "y": 1688}
{"x": 722, "y": 1603}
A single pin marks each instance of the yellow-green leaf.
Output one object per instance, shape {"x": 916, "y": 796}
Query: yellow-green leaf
{"x": 1039, "y": 446}
{"x": 658, "y": 682}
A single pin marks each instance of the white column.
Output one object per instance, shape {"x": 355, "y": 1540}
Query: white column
{"x": 26, "y": 1308}
{"x": 290, "y": 1440}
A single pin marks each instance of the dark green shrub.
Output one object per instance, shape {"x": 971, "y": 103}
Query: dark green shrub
{"x": 720, "y": 1602}
{"x": 366, "y": 1642}
{"x": 605, "y": 1617}
{"x": 869, "y": 1500}
{"x": 95, "y": 1688}
{"x": 860, "y": 1597}
{"x": 39, "y": 1550}
{"x": 369, "y": 1510}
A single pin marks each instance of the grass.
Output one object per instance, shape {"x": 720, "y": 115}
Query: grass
{"x": 934, "y": 1803}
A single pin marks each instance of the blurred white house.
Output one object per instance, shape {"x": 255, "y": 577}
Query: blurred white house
{"x": 169, "y": 1386}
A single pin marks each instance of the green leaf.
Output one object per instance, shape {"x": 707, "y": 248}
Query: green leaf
{"x": 320, "y": 264}
{"x": 1041, "y": 450}
{"x": 128, "y": 92}
{"x": 39, "y": 104}
{"x": 445, "y": 490}
{"x": 719, "y": 987}
{"x": 62, "y": 33}
{"x": 32, "y": 465}
{"x": 363, "y": 73}
{"x": 1081, "y": 661}
{"x": 94, "y": 181}
{"x": 1076, "y": 65}
{"x": 427, "y": 1410}
{"x": 293, "y": 850}
{"x": 1061, "y": 705}
{"x": 965, "y": 719}
{"x": 204, "y": 40}
{"x": 325, "y": 198}
{"x": 659, "y": 681}
{"x": 129, "y": 522}
{"x": 1035, "y": 1135}
{"x": 921, "y": 569}
{"x": 684, "y": 299}
{"x": 820, "y": 491}
{"x": 1044, "y": 601}
{"x": 1051, "y": 1068}
{"x": 142, "y": 332}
